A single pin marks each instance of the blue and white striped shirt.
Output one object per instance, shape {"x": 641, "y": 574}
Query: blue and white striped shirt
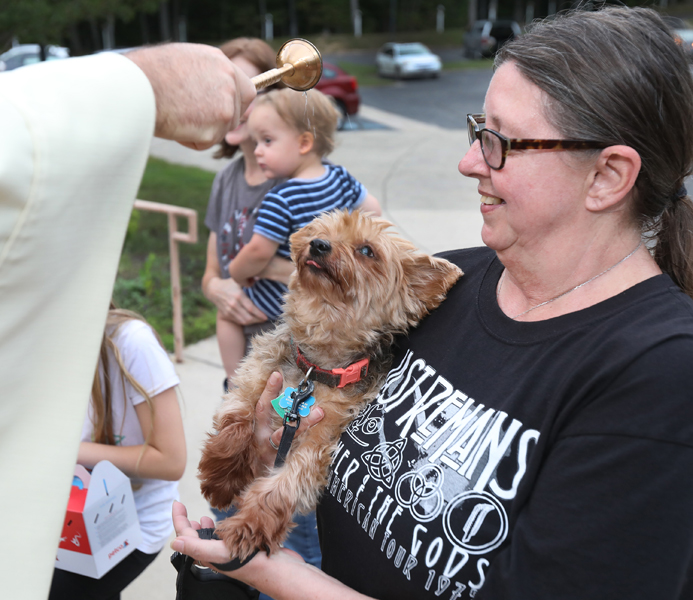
{"x": 290, "y": 206}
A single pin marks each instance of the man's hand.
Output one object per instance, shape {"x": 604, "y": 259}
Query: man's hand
{"x": 200, "y": 94}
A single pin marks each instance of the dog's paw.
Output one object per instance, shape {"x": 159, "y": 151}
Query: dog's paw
{"x": 244, "y": 533}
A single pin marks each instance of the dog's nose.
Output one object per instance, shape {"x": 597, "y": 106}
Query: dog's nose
{"x": 320, "y": 247}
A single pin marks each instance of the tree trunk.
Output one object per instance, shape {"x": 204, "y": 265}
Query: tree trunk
{"x": 293, "y": 21}
{"x": 144, "y": 28}
{"x": 94, "y": 30}
{"x": 263, "y": 11}
{"x": 75, "y": 42}
{"x": 108, "y": 33}
{"x": 472, "y": 14}
{"x": 175, "y": 16}
{"x": 164, "y": 22}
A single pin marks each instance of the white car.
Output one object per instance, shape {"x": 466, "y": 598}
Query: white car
{"x": 28, "y": 54}
{"x": 407, "y": 60}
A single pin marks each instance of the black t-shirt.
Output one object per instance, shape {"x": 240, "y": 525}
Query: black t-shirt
{"x": 511, "y": 460}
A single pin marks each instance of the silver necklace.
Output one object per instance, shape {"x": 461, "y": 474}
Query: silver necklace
{"x": 577, "y": 287}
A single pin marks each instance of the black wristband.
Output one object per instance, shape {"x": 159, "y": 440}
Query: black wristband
{"x": 235, "y": 563}
{"x": 232, "y": 565}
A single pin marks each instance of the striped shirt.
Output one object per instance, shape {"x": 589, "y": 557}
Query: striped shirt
{"x": 290, "y": 206}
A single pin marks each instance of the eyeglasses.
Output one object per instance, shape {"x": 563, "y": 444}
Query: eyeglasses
{"x": 495, "y": 146}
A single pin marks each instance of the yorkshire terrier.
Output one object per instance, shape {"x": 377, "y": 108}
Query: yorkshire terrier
{"x": 355, "y": 287}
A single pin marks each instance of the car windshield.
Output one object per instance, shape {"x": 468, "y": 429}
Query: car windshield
{"x": 413, "y": 49}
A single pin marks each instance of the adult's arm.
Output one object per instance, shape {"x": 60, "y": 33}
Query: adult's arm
{"x": 252, "y": 258}
{"x": 278, "y": 269}
{"x": 162, "y": 457}
{"x": 75, "y": 141}
{"x": 231, "y": 302}
{"x": 200, "y": 94}
{"x": 371, "y": 205}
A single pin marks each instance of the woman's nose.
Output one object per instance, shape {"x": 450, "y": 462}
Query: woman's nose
{"x": 473, "y": 163}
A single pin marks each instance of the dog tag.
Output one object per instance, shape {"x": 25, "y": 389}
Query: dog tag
{"x": 283, "y": 403}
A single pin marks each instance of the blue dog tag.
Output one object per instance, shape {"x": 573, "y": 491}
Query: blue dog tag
{"x": 283, "y": 403}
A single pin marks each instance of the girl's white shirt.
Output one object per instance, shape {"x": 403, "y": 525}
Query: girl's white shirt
{"x": 150, "y": 366}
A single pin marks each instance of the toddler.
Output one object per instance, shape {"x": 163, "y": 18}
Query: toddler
{"x": 294, "y": 133}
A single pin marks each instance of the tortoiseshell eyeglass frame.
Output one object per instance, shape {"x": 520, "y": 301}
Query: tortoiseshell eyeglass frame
{"x": 507, "y": 144}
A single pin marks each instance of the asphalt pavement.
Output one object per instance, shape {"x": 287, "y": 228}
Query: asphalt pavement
{"x": 411, "y": 167}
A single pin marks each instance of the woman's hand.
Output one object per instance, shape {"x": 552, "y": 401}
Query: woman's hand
{"x": 263, "y": 423}
{"x": 232, "y": 303}
{"x": 268, "y": 574}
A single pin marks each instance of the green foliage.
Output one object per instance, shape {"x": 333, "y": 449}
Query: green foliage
{"x": 48, "y": 21}
{"x": 144, "y": 283}
{"x": 215, "y": 21}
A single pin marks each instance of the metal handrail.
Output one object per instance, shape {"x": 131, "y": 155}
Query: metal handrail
{"x": 174, "y": 237}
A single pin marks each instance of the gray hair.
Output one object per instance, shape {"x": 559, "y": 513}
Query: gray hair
{"x": 617, "y": 76}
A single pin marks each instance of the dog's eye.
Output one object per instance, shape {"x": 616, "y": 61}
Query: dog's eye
{"x": 366, "y": 250}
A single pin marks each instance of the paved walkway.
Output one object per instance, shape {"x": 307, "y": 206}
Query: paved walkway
{"x": 411, "y": 168}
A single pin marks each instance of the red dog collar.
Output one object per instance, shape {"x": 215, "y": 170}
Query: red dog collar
{"x": 335, "y": 377}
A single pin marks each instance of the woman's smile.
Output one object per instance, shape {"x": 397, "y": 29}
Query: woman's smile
{"x": 491, "y": 200}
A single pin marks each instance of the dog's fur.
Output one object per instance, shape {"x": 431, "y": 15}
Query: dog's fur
{"x": 343, "y": 305}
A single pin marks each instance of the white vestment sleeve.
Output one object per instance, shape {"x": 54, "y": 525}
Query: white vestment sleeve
{"x": 74, "y": 141}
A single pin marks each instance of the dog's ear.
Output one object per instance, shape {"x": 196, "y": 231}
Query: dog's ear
{"x": 428, "y": 280}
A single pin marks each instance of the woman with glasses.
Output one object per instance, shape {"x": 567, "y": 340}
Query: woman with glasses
{"x": 534, "y": 438}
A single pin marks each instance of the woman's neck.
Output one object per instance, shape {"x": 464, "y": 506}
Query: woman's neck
{"x": 549, "y": 284}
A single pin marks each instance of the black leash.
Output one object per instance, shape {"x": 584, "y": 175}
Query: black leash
{"x": 292, "y": 418}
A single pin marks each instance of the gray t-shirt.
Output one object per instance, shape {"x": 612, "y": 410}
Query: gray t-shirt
{"x": 232, "y": 210}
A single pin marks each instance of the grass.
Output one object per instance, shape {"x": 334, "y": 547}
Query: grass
{"x": 143, "y": 283}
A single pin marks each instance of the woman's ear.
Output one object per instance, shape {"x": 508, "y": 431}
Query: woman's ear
{"x": 614, "y": 176}
{"x": 306, "y": 141}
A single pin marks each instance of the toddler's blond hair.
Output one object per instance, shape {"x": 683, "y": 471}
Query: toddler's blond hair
{"x": 313, "y": 113}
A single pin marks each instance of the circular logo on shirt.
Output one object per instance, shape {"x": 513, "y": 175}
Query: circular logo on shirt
{"x": 420, "y": 491}
{"x": 476, "y": 522}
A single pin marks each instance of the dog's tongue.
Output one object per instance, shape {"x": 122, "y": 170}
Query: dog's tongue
{"x": 313, "y": 263}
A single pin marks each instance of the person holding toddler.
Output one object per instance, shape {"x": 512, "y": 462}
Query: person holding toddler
{"x": 293, "y": 135}
{"x": 234, "y": 202}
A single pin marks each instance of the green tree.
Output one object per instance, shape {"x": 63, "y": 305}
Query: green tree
{"x": 50, "y": 21}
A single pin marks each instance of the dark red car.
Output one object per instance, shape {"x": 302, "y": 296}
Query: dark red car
{"x": 343, "y": 88}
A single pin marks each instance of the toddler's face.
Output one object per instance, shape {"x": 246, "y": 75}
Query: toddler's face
{"x": 278, "y": 144}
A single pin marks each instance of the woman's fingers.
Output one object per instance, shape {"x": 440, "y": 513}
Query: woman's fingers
{"x": 263, "y": 413}
{"x": 189, "y": 543}
{"x": 267, "y": 438}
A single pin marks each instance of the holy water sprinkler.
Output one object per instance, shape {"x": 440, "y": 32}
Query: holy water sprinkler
{"x": 299, "y": 66}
